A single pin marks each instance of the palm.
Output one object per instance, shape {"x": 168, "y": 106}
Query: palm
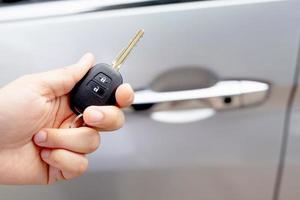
{"x": 38, "y": 113}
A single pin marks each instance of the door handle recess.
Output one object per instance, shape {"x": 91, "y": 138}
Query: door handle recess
{"x": 224, "y": 94}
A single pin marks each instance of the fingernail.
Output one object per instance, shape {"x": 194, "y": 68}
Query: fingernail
{"x": 45, "y": 153}
{"x": 96, "y": 116}
{"x": 130, "y": 99}
{"x": 40, "y": 137}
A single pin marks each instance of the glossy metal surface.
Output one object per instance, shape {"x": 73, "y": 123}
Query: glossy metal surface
{"x": 120, "y": 59}
{"x": 232, "y": 155}
{"x": 221, "y": 89}
{"x": 288, "y": 182}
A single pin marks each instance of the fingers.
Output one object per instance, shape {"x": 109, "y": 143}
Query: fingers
{"x": 71, "y": 164}
{"x": 63, "y": 149}
{"x": 54, "y": 175}
{"x": 80, "y": 140}
{"x": 104, "y": 117}
{"x": 60, "y": 81}
{"x": 110, "y": 117}
{"x": 124, "y": 95}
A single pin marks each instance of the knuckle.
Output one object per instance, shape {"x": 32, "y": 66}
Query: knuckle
{"x": 118, "y": 120}
{"x": 67, "y": 175}
{"x": 56, "y": 157}
{"x": 54, "y": 139}
{"x": 58, "y": 139}
{"x": 94, "y": 142}
{"x": 65, "y": 75}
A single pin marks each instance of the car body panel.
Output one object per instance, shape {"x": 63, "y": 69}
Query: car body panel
{"x": 232, "y": 155}
{"x": 290, "y": 169}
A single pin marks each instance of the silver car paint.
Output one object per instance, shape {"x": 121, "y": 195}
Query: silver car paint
{"x": 232, "y": 155}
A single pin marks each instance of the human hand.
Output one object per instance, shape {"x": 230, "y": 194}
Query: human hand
{"x": 36, "y": 145}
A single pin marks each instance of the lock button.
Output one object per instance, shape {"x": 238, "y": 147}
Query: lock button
{"x": 96, "y": 88}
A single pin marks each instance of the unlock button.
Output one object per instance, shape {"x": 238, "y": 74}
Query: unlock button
{"x": 96, "y": 88}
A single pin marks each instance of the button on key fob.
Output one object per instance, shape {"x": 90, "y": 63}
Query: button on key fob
{"x": 96, "y": 88}
{"x": 99, "y": 85}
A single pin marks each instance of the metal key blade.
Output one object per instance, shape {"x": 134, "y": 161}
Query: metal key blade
{"x": 119, "y": 60}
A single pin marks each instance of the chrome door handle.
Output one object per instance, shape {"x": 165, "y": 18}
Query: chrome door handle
{"x": 245, "y": 92}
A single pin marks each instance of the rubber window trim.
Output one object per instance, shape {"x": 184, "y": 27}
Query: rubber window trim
{"x": 61, "y": 8}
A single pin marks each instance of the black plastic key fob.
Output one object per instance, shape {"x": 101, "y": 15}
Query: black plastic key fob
{"x": 97, "y": 87}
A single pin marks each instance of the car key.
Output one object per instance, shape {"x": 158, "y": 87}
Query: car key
{"x": 99, "y": 85}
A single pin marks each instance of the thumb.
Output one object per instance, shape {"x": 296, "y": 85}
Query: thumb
{"x": 61, "y": 81}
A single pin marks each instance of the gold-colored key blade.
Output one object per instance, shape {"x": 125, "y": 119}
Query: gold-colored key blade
{"x": 119, "y": 60}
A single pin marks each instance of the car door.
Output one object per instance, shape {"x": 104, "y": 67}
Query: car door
{"x": 288, "y": 181}
{"x": 212, "y": 81}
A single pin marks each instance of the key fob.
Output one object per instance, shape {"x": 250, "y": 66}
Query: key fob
{"x": 97, "y": 88}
